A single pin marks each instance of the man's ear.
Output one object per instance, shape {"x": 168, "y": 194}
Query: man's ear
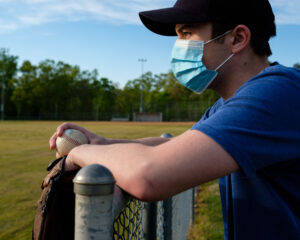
{"x": 241, "y": 36}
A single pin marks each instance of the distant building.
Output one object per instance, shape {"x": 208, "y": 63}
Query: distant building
{"x": 147, "y": 117}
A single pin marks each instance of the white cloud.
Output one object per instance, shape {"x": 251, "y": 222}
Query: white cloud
{"x": 286, "y": 11}
{"x": 20, "y": 13}
{"x": 6, "y": 27}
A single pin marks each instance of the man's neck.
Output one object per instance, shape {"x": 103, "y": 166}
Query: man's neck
{"x": 239, "y": 72}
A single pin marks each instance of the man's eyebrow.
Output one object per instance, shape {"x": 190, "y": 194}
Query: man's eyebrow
{"x": 184, "y": 26}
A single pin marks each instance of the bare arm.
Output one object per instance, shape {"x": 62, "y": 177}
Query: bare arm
{"x": 154, "y": 173}
{"x": 150, "y": 141}
{"x": 96, "y": 139}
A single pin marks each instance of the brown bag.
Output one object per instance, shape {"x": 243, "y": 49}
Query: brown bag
{"x": 56, "y": 209}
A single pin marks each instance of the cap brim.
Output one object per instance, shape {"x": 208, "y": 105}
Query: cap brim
{"x": 163, "y": 21}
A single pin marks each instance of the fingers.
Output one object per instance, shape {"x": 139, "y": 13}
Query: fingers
{"x": 61, "y": 128}
{"x": 59, "y": 131}
{"x": 52, "y": 141}
{"x": 57, "y": 155}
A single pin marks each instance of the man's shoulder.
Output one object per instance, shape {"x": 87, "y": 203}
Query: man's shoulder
{"x": 279, "y": 70}
{"x": 276, "y": 73}
{"x": 272, "y": 81}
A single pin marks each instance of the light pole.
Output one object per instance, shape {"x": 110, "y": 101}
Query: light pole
{"x": 142, "y": 60}
{"x": 3, "y": 83}
{"x": 2, "y": 98}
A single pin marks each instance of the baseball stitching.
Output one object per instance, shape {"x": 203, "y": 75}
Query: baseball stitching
{"x": 73, "y": 141}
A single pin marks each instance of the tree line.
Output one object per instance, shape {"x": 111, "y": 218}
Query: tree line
{"x": 59, "y": 91}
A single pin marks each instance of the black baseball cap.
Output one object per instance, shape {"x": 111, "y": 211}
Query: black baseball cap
{"x": 256, "y": 14}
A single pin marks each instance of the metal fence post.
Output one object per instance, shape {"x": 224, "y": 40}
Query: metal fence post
{"x": 195, "y": 189}
{"x": 167, "y": 205}
{"x": 149, "y": 221}
{"x": 93, "y": 186}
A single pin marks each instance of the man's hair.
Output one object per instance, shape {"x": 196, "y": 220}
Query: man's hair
{"x": 260, "y": 45}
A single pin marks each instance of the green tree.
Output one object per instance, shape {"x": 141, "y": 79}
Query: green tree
{"x": 57, "y": 90}
{"x": 297, "y": 65}
{"x": 104, "y": 99}
{"x": 8, "y": 68}
{"x": 28, "y": 91}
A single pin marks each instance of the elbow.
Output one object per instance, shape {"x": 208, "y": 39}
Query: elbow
{"x": 146, "y": 193}
{"x": 143, "y": 184}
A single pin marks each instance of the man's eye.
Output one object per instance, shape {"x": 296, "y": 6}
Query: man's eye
{"x": 186, "y": 34}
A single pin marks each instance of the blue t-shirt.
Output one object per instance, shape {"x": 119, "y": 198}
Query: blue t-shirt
{"x": 260, "y": 128}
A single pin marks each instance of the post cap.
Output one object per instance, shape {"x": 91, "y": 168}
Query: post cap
{"x": 166, "y": 135}
{"x": 94, "y": 179}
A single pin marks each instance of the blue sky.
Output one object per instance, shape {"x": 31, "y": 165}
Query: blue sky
{"x": 107, "y": 34}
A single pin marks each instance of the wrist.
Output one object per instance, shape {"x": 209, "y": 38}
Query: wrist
{"x": 98, "y": 140}
{"x": 69, "y": 163}
{"x": 108, "y": 141}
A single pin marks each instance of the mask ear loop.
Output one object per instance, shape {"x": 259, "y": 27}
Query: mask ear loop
{"x": 220, "y": 36}
{"x": 226, "y": 60}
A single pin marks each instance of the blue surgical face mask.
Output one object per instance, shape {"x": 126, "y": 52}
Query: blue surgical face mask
{"x": 188, "y": 67}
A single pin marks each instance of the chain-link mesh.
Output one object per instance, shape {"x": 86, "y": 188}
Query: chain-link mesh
{"x": 128, "y": 225}
{"x": 160, "y": 221}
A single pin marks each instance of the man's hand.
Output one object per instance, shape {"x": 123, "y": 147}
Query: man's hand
{"x": 92, "y": 137}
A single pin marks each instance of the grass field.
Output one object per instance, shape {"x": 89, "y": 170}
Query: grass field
{"x": 208, "y": 214}
{"x": 24, "y": 155}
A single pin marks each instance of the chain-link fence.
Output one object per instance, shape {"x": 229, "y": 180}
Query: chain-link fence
{"x": 163, "y": 220}
{"x": 172, "y": 111}
{"x": 116, "y": 217}
{"x": 128, "y": 224}
{"x": 104, "y": 211}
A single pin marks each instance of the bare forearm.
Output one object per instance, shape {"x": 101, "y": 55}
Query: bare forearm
{"x": 127, "y": 162}
{"x": 151, "y": 141}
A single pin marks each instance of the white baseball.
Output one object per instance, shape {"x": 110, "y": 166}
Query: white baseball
{"x": 70, "y": 138}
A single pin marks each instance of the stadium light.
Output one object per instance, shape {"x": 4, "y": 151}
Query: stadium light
{"x": 2, "y": 98}
{"x": 3, "y": 83}
{"x": 142, "y": 60}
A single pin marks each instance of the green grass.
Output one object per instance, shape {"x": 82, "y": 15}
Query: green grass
{"x": 208, "y": 214}
{"x": 24, "y": 155}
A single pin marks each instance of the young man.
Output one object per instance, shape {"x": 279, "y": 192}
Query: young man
{"x": 250, "y": 138}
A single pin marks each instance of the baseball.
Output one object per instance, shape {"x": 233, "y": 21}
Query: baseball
{"x": 70, "y": 138}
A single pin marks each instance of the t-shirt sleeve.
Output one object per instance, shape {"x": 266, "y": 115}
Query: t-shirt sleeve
{"x": 259, "y": 125}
